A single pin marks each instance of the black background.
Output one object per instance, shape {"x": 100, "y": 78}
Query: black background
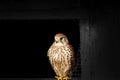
{"x": 25, "y": 44}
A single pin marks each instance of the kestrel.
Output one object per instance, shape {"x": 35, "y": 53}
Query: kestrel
{"x": 61, "y": 56}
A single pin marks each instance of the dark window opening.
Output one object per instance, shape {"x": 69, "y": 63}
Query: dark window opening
{"x": 25, "y": 44}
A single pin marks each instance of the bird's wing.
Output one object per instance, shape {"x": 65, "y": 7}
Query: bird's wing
{"x": 49, "y": 50}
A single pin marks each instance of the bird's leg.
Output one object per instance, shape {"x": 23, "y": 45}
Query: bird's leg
{"x": 66, "y": 78}
{"x": 58, "y": 77}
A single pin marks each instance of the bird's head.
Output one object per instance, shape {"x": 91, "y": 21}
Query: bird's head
{"x": 61, "y": 39}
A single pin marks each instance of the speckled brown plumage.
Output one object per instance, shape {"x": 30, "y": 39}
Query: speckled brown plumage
{"x": 61, "y": 55}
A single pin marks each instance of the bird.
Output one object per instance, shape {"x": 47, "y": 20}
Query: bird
{"x": 61, "y": 56}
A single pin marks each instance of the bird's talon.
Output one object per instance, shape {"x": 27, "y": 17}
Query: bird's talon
{"x": 66, "y": 78}
{"x": 58, "y": 77}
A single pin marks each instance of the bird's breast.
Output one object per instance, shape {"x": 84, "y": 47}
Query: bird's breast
{"x": 59, "y": 53}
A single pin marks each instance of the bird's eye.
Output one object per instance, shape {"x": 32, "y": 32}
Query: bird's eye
{"x": 61, "y": 38}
